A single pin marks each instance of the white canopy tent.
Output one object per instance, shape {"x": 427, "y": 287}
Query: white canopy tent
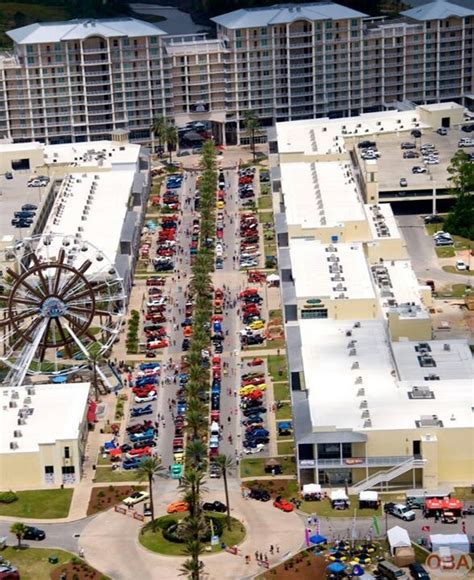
{"x": 398, "y": 538}
{"x": 454, "y": 541}
{"x": 338, "y": 495}
{"x": 368, "y": 496}
{"x": 312, "y": 488}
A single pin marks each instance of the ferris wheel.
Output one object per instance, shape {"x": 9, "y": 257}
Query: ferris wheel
{"x": 62, "y": 305}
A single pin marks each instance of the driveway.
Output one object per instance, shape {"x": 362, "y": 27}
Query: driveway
{"x": 110, "y": 540}
{"x": 422, "y": 254}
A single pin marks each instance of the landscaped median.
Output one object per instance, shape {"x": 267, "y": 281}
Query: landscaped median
{"x": 167, "y": 537}
{"x": 38, "y": 504}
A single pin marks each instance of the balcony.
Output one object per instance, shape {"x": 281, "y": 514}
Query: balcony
{"x": 351, "y": 462}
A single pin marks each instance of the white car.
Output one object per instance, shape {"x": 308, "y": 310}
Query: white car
{"x": 136, "y": 497}
{"x": 441, "y": 234}
{"x": 219, "y": 250}
{"x": 461, "y": 265}
{"x": 252, "y": 450}
{"x": 150, "y": 397}
{"x": 159, "y": 302}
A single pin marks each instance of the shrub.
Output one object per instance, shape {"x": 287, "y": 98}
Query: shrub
{"x": 8, "y": 497}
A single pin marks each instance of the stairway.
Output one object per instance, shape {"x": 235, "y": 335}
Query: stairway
{"x": 382, "y": 477}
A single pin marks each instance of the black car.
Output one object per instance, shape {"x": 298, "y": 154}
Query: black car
{"x": 145, "y": 443}
{"x": 416, "y": 133}
{"x": 215, "y": 506}
{"x": 418, "y": 572}
{"x": 24, "y": 214}
{"x": 252, "y": 420}
{"x": 467, "y": 128}
{"x": 8, "y": 175}
{"x": 215, "y": 403}
{"x": 251, "y": 404}
{"x": 259, "y": 494}
{"x": 185, "y": 345}
{"x": 433, "y": 219}
{"x": 125, "y": 448}
{"x": 33, "y": 533}
{"x": 29, "y": 207}
{"x": 366, "y": 144}
{"x": 248, "y": 340}
{"x": 218, "y": 348}
{"x": 254, "y": 411}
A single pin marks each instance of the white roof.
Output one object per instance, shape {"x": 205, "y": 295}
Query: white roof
{"x": 58, "y": 412}
{"x": 338, "y": 494}
{"x": 437, "y": 10}
{"x": 398, "y": 538}
{"x": 368, "y": 496}
{"x": 320, "y": 194}
{"x": 398, "y": 289}
{"x": 330, "y": 270}
{"x": 285, "y": 13}
{"x": 12, "y": 147}
{"x": 105, "y": 154}
{"x": 312, "y": 488}
{"x": 448, "y": 539}
{"x": 373, "y": 391}
{"x": 382, "y": 223}
{"x": 81, "y": 29}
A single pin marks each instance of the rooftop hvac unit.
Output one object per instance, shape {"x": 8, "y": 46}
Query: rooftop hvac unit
{"x": 348, "y": 332}
{"x": 323, "y": 221}
{"x": 356, "y": 324}
{"x": 21, "y": 421}
{"x": 12, "y": 404}
{"x": 361, "y": 392}
{"x": 363, "y": 404}
{"x": 17, "y": 433}
{"x": 352, "y": 352}
{"x": 15, "y": 395}
{"x": 365, "y": 414}
{"x": 13, "y": 445}
{"x": 84, "y": 218}
{"x": 351, "y": 343}
{"x": 355, "y": 365}
{"x": 367, "y": 423}
{"x": 421, "y": 393}
{"x": 358, "y": 380}
{"x": 342, "y": 295}
{"x": 27, "y": 401}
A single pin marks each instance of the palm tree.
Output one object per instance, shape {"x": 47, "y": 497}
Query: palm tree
{"x": 251, "y": 125}
{"x": 149, "y": 469}
{"x": 191, "y": 568}
{"x": 192, "y": 483}
{"x": 226, "y": 464}
{"x": 195, "y": 421}
{"x": 171, "y": 138}
{"x": 18, "y": 529}
{"x": 158, "y": 129}
{"x": 195, "y": 452}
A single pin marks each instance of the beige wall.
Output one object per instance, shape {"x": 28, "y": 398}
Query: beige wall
{"x": 350, "y": 309}
{"x": 411, "y": 328}
{"x": 35, "y": 156}
{"x": 386, "y": 249}
{"x": 433, "y": 117}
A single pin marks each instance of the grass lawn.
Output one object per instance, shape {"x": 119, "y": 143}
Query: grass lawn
{"x": 446, "y": 252}
{"x": 275, "y": 313}
{"x": 105, "y": 475}
{"x": 32, "y": 563}
{"x": 285, "y": 487}
{"x": 276, "y": 343}
{"x": 265, "y": 217}
{"x": 452, "y": 270}
{"x": 323, "y": 509}
{"x": 286, "y": 447}
{"x": 39, "y": 504}
{"x": 156, "y": 542}
{"x": 281, "y": 391}
{"x": 255, "y": 467}
{"x": 283, "y": 412}
{"x": 276, "y": 362}
{"x": 265, "y": 202}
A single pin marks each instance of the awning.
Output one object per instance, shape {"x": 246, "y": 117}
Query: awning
{"x": 434, "y": 504}
{"x": 273, "y": 278}
{"x": 338, "y": 495}
{"x": 398, "y": 538}
{"x": 317, "y": 539}
{"x": 336, "y": 567}
{"x": 368, "y": 496}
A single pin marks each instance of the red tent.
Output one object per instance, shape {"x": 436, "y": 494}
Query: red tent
{"x": 433, "y": 504}
{"x": 91, "y": 416}
{"x": 451, "y": 503}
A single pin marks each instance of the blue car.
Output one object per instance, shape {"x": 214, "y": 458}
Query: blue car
{"x": 149, "y": 366}
{"x": 141, "y": 381}
{"x": 257, "y": 433}
{"x": 217, "y": 327}
{"x": 181, "y": 408}
{"x": 132, "y": 463}
{"x": 139, "y": 411}
{"x": 148, "y": 434}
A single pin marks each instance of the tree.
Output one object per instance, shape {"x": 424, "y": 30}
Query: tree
{"x": 18, "y": 529}
{"x": 460, "y": 220}
{"x": 226, "y": 464}
{"x": 158, "y": 128}
{"x": 171, "y": 138}
{"x": 195, "y": 452}
{"x": 149, "y": 469}
{"x": 251, "y": 125}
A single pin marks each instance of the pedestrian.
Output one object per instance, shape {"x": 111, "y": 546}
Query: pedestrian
{"x": 271, "y": 549}
{"x": 247, "y": 559}
{"x": 277, "y": 548}
{"x": 256, "y": 555}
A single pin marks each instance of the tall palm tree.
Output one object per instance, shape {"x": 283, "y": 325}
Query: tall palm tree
{"x": 251, "y": 125}
{"x": 192, "y": 483}
{"x": 171, "y": 139}
{"x": 195, "y": 452}
{"x": 192, "y": 568}
{"x": 149, "y": 469}
{"x": 158, "y": 128}
{"x": 226, "y": 464}
{"x": 18, "y": 529}
{"x": 195, "y": 421}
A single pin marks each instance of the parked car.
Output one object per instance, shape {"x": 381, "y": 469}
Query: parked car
{"x": 365, "y": 144}
{"x": 417, "y": 572}
{"x": 433, "y": 219}
{"x": 403, "y": 182}
{"x": 399, "y": 510}
{"x": 283, "y": 504}
{"x": 136, "y": 497}
{"x": 417, "y": 169}
{"x": 461, "y": 265}
{"x": 32, "y": 533}
{"x": 259, "y": 494}
{"x": 177, "y": 506}
{"x": 29, "y": 207}
{"x": 151, "y": 396}
{"x": 215, "y": 506}
{"x": 408, "y": 145}
{"x": 442, "y": 131}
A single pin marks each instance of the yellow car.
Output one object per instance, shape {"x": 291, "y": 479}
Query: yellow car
{"x": 256, "y": 325}
{"x": 220, "y": 205}
{"x": 249, "y": 388}
{"x": 178, "y": 457}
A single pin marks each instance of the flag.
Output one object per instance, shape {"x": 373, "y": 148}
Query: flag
{"x": 426, "y": 529}
{"x": 376, "y": 524}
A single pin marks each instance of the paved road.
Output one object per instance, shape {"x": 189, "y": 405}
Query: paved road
{"x": 421, "y": 250}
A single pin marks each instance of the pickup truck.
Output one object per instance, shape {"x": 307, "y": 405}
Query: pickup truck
{"x": 399, "y": 510}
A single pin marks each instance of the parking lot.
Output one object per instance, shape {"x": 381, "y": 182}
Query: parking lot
{"x": 392, "y": 166}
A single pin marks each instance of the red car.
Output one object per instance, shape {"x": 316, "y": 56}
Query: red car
{"x": 139, "y": 452}
{"x": 283, "y": 505}
{"x": 157, "y": 344}
{"x": 143, "y": 391}
{"x": 256, "y": 362}
{"x": 254, "y": 382}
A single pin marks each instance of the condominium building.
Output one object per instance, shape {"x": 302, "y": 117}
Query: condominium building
{"x": 79, "y": 80}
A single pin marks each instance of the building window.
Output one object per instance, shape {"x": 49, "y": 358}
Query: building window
{"x": 354, "y": 22}
{"x": 153, "y": 40}
{"x": 126, "y": 42}
{"x": 238, "y": 44}
{"x": 238, "y": 33}
{"x": 328, "y": 25}
{"x": 49, "y": 469}
{"x": 328, "y": 35}
{"x": 67, "y": 453}
{"x": 320, "y": 313}
{"x": 30, "y": 49}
